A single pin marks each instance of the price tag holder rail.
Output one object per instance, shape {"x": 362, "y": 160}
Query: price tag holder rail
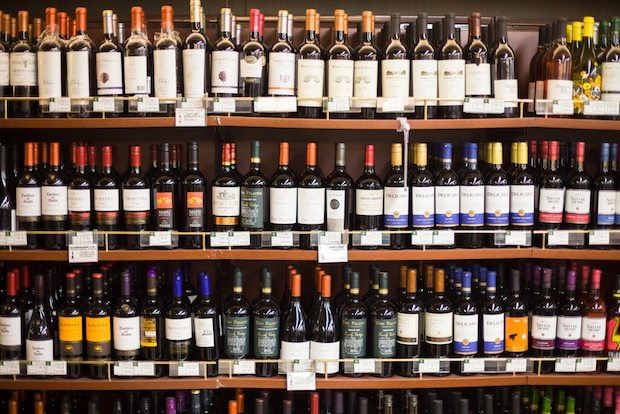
{"x": 229, "y": 239}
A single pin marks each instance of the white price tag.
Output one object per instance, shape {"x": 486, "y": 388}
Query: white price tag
{"x": 333, "y": 253}
{"x": 244, "y": 367}
{"x": 160, "y": 238}
{"x": 371, "y": 238}
{"x": 516, "y": 365}
{"x": 516, "y": 238}
{"x": 19, "y": 238}
{"x": 81, "y": 238}
{"x": 286, "y": 104}
{"x": 364, "y": 366}
{"x": 473, "y": 365}
{"x": 612, "y": 108}
{"x": 613, "y": 365}
{"x": 265, "y": 104}
{"x": 594, "y": 108}
{"x": 60, "y": 105}
{"x": 429, "y": 366}
{"x": 148, "y": 104}
{"x": 330, "y": 238}
{"x": 46, "y": 368}
{"x": 391, "y": 104}
{"x": 558, "y": 237}
{"x": 585, "y": 365}
{"x": 564, "y": 107}
{"x": 340, "y": 104}
{"x": 443, "y": 237}
{"x": 300, "y": 381}
{"x": 134, "y": 369}
{"x": 598, "y": 237}
{"x": 188, "y": 369}
{"x": 565, "y": 364}
{"x": 9, "y": 368}
{"x": 473, "y": 105}
{"x": 104, "y": 104}
{"x": 240, "y": 238}
{"x": 422, "y": 237}
{"x": 224, "y": 105}
{"x": 87, "y": 253}
{"x": 220, "y": 239}
{"x": 194, "y": 103}
{"x": 493, "y": 106}
{"x": 190, "y": 117}
{"x": 282, "y": 239}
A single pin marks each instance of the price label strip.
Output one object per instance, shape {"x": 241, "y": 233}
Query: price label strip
{"x": 473, "y": 365}
{"x": 52, "y": 368}
{"x": 429, "y": 366}
{"x": 104, "y": 104}
{"x": 443, "y": 237}
{"x": 185, "y": 369}
{"x": 333, "y": 253}
{"x": 224, "y": 105}
{"x": 422, "y": 237}
{"x": 13, "y": 238}
{"x": 598, "y": 237}
{"x": 9, "y": 368}
{"x": 585, "y": 365}
{"x": 134, "y": 369}
{"x": 62, "y": 105}
{"x": 230, "y": 239}
{"x": 371, "y": 238}
{"x": 238, "y": 366}
{"x": 282, "y": 239}
{"x": 86, "y": 253}
{"x": 300, "y": 381}
{"x": 613, "y": 364}
{"x": 340, "y": 104}
{"x": 558, "y": 237}
{"x": 566, "y": 365}
{"x": 160, "y": 239}
{"x": 364, "y": 366}
{"x": 516, "y": 365}
{"x": 516, "y": 238}
{"x": 190, "y": 117}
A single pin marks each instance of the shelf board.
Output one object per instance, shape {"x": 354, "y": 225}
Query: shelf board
{"x": 575, "y": 254}
{"x": 116, "y": 384}
{"x": 574, "y": 379}
{"x": 89, "y": 123}
{"x": 576, "y": 123}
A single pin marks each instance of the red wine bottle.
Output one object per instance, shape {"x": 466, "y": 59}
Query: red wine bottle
{"x": 254, "y": 209}
{"x": 603, "y": 192}
{"x": 178, "y": 322}
{"x": 310, "y": 198}
{"x": 206, "y": 325}
{"x": 23, "y": 71}
{"x": 226, "y": 195}
{"x": 369, "y": 195}
{"x": 409, "y": 325}
{"x": 354, "y": 323}
{"x": 165, "y": 193}
{"x": 107, "y": 199}
{"x": 98, "y": 329}
{"x": 325, "y": 342}
{"x": 578, "y": 193}
{"x": 569, "y": 320}
{"x": 11, "y": 321}
{"x": 54, "y": 208}
{"x": 136, "y": 198}
{"x": 236, "y": 321}
{"x": 283, "y": 194}
{"x": 253, "y": 64}
{"x": 126, "y": 322}
{"x": 193, "y": 187}
{"x": 80, "y": 194}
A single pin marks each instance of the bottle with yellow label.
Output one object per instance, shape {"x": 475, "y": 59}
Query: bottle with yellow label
{"x": 70, "y": 329}
{"x": 98, "y": 329}
{"x": 516, "y": 322}
{"x": 586, "y": 72}
{"x": 152, "y": 324}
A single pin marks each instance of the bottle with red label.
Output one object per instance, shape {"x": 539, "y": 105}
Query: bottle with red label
{"x": 80, "y": 194}
{"x": 578, "y": 191}
{"x": 594, "y": 320}
{"x": 613, "y": 323}
{"x": 193, "y": 187}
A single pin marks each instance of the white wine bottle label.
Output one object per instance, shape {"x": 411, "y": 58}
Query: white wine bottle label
{"x": 194, "y": 67}
{"x": 477, "y": 79}
{"x": 282, "y": 205}
{"x": 340, "y": 78}
{"x": 451, "y": 81}
{"x": 23, "y": 69}
{"x": 54, "y": 200}
{"x": 165, "y": 73}
{"x": 466, "y": 334}
{"x": 569, "y": 332}
{"x": 507, "y": 90}
{"x": 281, "y": 74}
{"x": 226, "y": 201}
{"x": 366, "y": 73}
{"x": 610, "y": 83}
{"x": 396, "y": 207}
{"x": 424, "y": 81}
{"x": 561, "y": 90}
{"x": 522, "y": 205}
{"x": 107, "y": 199}
{"x": 447, "y": 199}
{"x": 4, "y": 69}
{"x": 593, "y": 333}
{"x": 109, "y": 73}
{"x": 49, "y": 74}
{"x": 550, "y": 205}
{"x": 136, "y": 199}
{"x": 204, "y": 329}
{"x": 311, "y": 205}
{"x": 493, "y": 333}
{"x": 577, "y": 206}
{"x": 320, "y": 352}
{"x": 178, "y": 329}
{"x": 395, "y": 78}
{"x": 368, "y": 202}
{"x": 606, "y": 209}
{"x": 544, "y": 329}
{"x": 423, "y": 206}
{"x": 408, "y": 328}
{"x": 291, "y": 351}
{"x": 336, "y": 209}
{"x": 39, "y": 350}
{"x": 10, "y": 331}
{"x": 224, "y": 71}
{"x": 126, "y": 333}
{"x": 438, "y": 328}
{"x": 496, "y": 205}
{"x": 310, "y": 80}
{"x": 28, "y": 201}
{"x": 472, "y": 205}
{"x": 135, "y": 75}
{"x": 78, "y": 71}
{"x": 78, "y": 200}
{"x": 251, "y": 67}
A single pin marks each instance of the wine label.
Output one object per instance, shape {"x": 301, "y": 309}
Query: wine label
{"x": 465, "y": 334}
{"x": 4, "y": 69}
{"x": 366, "y": 73}
{"x": 54, "y": 200}
{"x": 550, "y": 205}
{"x": 107, "y": 199}
{"x": 194, "y": 210}
{"x": 516, "y": 333}
{"x": 39, "y": 350}
{"x": 340, "y": 78}
{"x": 178, "y": 329}
{"x": 384, "y": 337}
{"x": 23, "y": 69}
{"x": 336, "y": 209}
{"x": 236, "y": 336}
{"x": 577, "y": 206}
{"x": 194, "y": 67}
{"x": 423, "y": 206}
{"x": 291, "y": 351}
{"x": 98, "y": 329}
{"x": 109, "y": 73}
{"x": 477, "y": 79}
{"x": 610, "y": 83}
{"x": 148, "y": 331}
{"x": 136, "y": 199}
{"x": 447, "y": 200}
{"x": 493, "y": 333}
{"x": 78, "y": 199}
{"x": 281, "y": 74}
{"x": 252, "y": 208}
{"x": 10, "y": 331}
{"x": 606, "y": 208}
{"x": 544, "y": 329}
{"x": 126, "y": 333}
{"x": 28, "y": 201}
{"x": 396, "y": 207}
{"x": 408, "y": 328}
{"x": 561, "y": 90}
{"x": 311, "y": 205}
{"x": 136, "y": 75}
{"x": 70, "y": 328}
{"x": 224, "y": 71}
{"x": 522, "y": 205}
{"x": 78, "y": 71}
{"x": 438, "y": 328}
{"x": 368, "y": 202}
{"x": 354, "y": 332}
{"x": 496, "y": 205}
{"x": 613, "y": 334}
{"x": 451, "y": 81}
{"x": 204, "y": 329}
{"x": 395, "y": 78}
{"x": 310, "y": 81}
{"x": 531, "y": 94}
{"x": 424, "y": 81}
{"x": 282, "y": 205}
{"x": 569, "y": 333}
{"x": 251, "y": 67}
{"x": 164, "y": 205}
{"x": 593, "y": 333}
{"x": 266, "y": 337}
{"x": 49, "y": 74}
{"x": 507, "y": 90}
{"x": 320, "y": 351}
{"x": 165, "y": 73}
{"x": 226, "y": 201}
{"x": 472, "y": 205}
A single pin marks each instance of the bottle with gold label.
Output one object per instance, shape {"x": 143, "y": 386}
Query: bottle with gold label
{"x": 152, "y": 324}
{"x": 586, "y": 72}
{"x": 98, "y": 329}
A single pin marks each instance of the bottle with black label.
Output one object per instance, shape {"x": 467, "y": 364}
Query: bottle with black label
{"x": 266, "y": 325}
{"x": 354, "y": 323}
{"x": 236, "y": 321}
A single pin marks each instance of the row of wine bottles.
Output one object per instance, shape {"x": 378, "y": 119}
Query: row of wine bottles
{"x": 120, "y": 323}
{"x": 494, "y": 400}
{"x": 439, "y": 74}
{"x": 532, "y": 191}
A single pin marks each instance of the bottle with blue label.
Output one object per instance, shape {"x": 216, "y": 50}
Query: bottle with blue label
{"x": 465, "y": 323}
{"x": 496, "y": 194}
{"x": 471, "y": 195}
{"x": 446, "y": 192}
{"x": 396, "y": 200}
{"x": 422, "y": 191}
{"x": 522, "y": 191}
{"x": 492, "y": 312}
{"x": 604, "y": 192}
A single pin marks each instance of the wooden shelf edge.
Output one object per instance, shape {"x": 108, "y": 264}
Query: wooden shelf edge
{"x": 117, "y": 384}
{"x": 80, "y": 123}
{"x": 574, "y": 379}
{"x": 576, "y": 254}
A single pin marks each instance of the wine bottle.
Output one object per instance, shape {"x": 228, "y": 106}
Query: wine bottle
{"x": 366, "y": 68}
{"x": 126, "y": 322}
{"x": 396, "y": 200}
{"x": 11, "y": 321}
{"x": 178, "y": 322}
{"x": 558, "y": 62}
{"x": 54, "y": 202}
{"x": 395, "y": 68}
{"x": 383, "y": 328}
{"x": 451, "y": 74}
{"x": 225, "y": 59}
{"x": 79, "y": 195}
{"x": 492, "y": 311}
{"x": 369, "y": 194}
{"x": 438, "y": 320}
{"x": 586, "y": 73}
{"x": 339, "y": 193}
{"x": 569, "y": 320}
{"x": 340, "y": 65}
{"x": 108, "y": 61}
{"x": 98, "y": 329}
{"x": 236, "y": 321}
{"x": 28, "y": 198}
{"x": 477, "y": 67}
{"x": 283, "y": 194}
{"x": 152, "y": 324}
{"x": 137, "y": 58}
{"x": 136, "y": 198}
{"x": 282, "y": 56}
{"x": 81, "y": 83}
{"x": 226, "y": 193}
{"x": 516, "y": 320}
{"x": 409, "y": 325}
{"x": 266, "y": 328}
{"x": 206, "y": 325}
{"x": 310, "y": 71}
{"x": 447, "y": 194}
{"x": 496, "y": 194}
{"x": 593, "y": 322}
{"x": 294, "y": 334}
{"x": 23, "y": 71}
{"x": 422, "y": 191}
{"x": 168, "y": 63}
{"x": 609, "y": 89}
{"x": 533, "y": 87}
{"x": 578, "y": 193}
{"x": 5, "y": 90}
{"x": 325, "y": 336}
{"x": 70, "y": 320}
{"x": 603, "y": 192}
{"x": 26, "y": 293}
{"x": 51, "y": 63}
{"x": 253, "y": 62}
{"x": 424, "y": 72}
{"x": 7, "y": 192}
{"x": 544, "y": 322}
{"x": 503, "y": 74}
{"x": 465, "y": 322}
{"x": 195, "y": 55}
{"x": 472, "y": 198}
{"x": 165, "y": 193}
{"x": 253, "y": 198}
{"x": 193, "y": 187}
{"x": 107, "y": 199}
{"x": 310, "y": 198}
{"x": 522, "y": 192}
{"x": 354, "y": 323}
{"x": 551, "y": 195}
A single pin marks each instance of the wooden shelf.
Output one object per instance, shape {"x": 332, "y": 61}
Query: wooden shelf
{"x": 576, "y": 254}
{"x": 117, "y": 384}
{"x": 87, "y": 123}
{"x": 574, "y": 379}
